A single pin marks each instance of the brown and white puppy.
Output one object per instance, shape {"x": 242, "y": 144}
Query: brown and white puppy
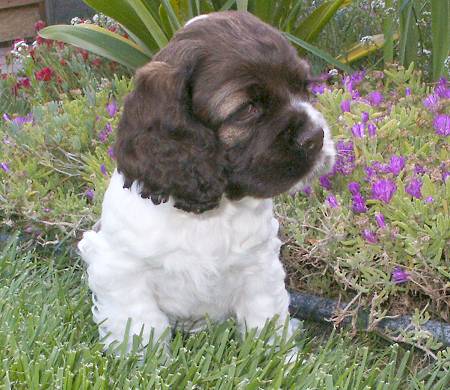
{"x": 218, "y": 124}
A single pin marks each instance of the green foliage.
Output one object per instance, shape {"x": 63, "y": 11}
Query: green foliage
{"x": 48, "y": 340}
{"x": 152, "y": 23}
{"x": 328, "y": 244}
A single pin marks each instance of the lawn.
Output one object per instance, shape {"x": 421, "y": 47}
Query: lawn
{"x": 374, "y": 232}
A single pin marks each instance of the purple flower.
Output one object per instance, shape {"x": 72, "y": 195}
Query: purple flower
{"x": 354, "y": 187}
{"x": 408, "y": 91}
{"x": 111, "y": 153}
{"x": 380, "y": 167}
{"x": 370, "y": 173}
{"x": 21, "y": 120}
{"x": 307, "y": 191}
{"x": 445, "y": 176}
{"x": 6, "y": 117}
{"x": 103, "y": 135}
{"x": 441, "y": 89}
{"x": 429, "y": 199}
{"x": 396, "y": 165}
{"x": 325, "y": 182}
{"x": 441, "y": 124}
{"x": 369, "y": 236}
{"x": 103, "y": 170}
{"x": 414, "y": 188}
{"x": 383, "y": 190}
{"x": 375, "y": 98}
{"x": 111, "y": 108}
{"x": 358, "y": 204}
{"x": 419, "y": 169}
{"x": 345, "y": 158}
{"x": 372, "y": 129}
{"x": 5, "y": 167}
{"x": 399, "y": 275}
{"x": 358, "y": 76}
{"x": 379, "y": 218}
{"x": 318, "y": 89}
{"x": 332, "y": 201}
{"x": 431, "y": 102}
{"x": 358, "y": 130}
{"x": 364, "y": 116}
{"x": 345, "y": 105}
{"x": 89, "y": 193}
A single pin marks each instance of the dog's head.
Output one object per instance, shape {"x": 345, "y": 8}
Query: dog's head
{"x": 222, "y": 110}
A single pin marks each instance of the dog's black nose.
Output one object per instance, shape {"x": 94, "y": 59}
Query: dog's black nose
{"x": 311, "y": 140}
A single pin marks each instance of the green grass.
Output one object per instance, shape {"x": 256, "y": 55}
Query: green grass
{"x": 48, "y": 340}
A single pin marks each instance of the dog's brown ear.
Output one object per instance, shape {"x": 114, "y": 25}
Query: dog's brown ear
{"x": 161, "y": 144}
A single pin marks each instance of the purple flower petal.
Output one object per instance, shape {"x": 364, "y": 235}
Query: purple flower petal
{"x": 354, "y": 187}
{"x": 419, "y": 169}
{"x": 5, "y": 167}
{"x": 325, "y": 182}
{"x": 358, "y": 130}
{"x": 358, "y": 204}
{"x": 431, "y": 102}
{"x": 441, "y": 124}
{"x": 345, "y": 158}
{"x": 369, "y": 236}
{"x": 408, "y": 92}
{"x": 429, "y": 199}
{"x": 89, "y": 193}
{"x": 379, "y": 218}
{"x": 6, "y": 117}
{"x": 414, "y": 188}
{"x": 396, "y": 164}
{"x": 375, "y": 98}
{"x": 103, "y": 170}
{"x": 372, "y": 129}
{"x": 383, "y": 190}
{"x": 111, "y": 153}
{"x": 399, "y": 275}
{"x": 345, "y": 105}
{"x": 307, "y": 191}
{"x": 111, "y": 108}
{"x": 332, "y": 201}
{"x": 364, "y": 116}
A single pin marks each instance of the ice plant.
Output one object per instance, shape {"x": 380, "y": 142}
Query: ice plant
{"x": 354, "y": 187}
{"x": 372, "y": 129}
{"x": 379, "y": 218}
{"x": 383, "y": 190}
{"x": 111, "y": 153}
{"x": 441, "y": 124}
{"x": 345, "y": 105}
{"x": 364, "y": 117}
{"x": 345, "y": 158}
{"x": 431, "y": 102}
{"x": 5, "y": 167}
{"x": 375, "y": 98}
{"x": 358, "y": 130}
{"x": 103, "y": 170}
{"x": 358, "y": 204}
{"x": 442, "y": 90}
{"x": 369, "y": 236}
{"x": 429, "y": 199}
{"x": 325, "y": 182}
{"x": 111, "y": 108}
{"x": 103, "y": 135}
{"x": 408, "y": 92}
{"x": 332, "y": 201}
{"x": 399, "y": 275}
{"x": 307, "y": 191}
{"x": 89, "y": 193}
{"x": 414, "y": 188}
{"x": 396, "y": 164}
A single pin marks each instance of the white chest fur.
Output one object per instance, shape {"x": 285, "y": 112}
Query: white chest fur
{"x": 151, "y": 261}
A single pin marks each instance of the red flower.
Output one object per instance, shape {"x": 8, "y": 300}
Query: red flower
{"x": 112, "y": 28}
{"x": 24, "y": 83}
{"x": 60, "y": 44}
{"x": 97, "y": 62}
{"x": 39, "y": 25}
{"x": 84, "y": 54}
{"x": 63, "y": 62}
{"x": 45, "y": 74}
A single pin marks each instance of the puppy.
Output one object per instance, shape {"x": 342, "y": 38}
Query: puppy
{"x": 218, "y": 124}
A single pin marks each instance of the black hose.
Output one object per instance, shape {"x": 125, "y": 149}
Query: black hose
{"x": 311, "y": 307}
